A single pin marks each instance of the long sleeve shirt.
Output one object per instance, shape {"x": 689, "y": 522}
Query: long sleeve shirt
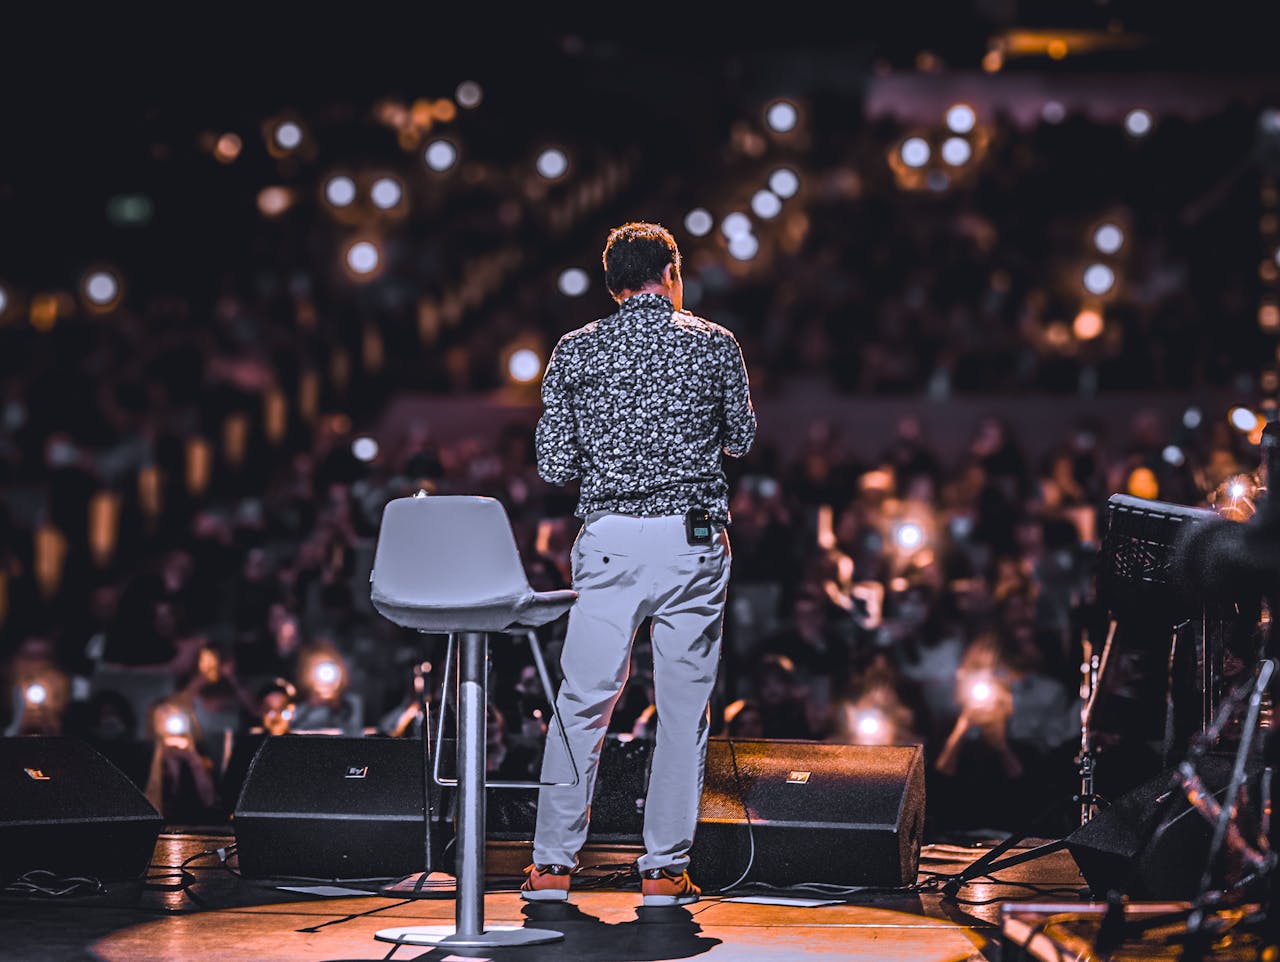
{"x": 641, "y": 405}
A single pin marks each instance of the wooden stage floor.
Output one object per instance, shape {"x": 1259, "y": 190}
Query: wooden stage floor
{"x": 219, "y": 917}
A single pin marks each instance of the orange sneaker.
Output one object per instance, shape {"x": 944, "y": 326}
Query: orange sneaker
{"x": 661, "y": 886}
{"x": 546, "y": 883}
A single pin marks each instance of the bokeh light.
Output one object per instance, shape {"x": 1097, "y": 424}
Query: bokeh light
{"x": 1052, "y": 112}
{"x": 227, "y": 148}
{"x": 781, "y": 116}
{"x": 175, "y": 723}
{"x": 4, "y": 300}
{"x": 36, "y": 694}
{"x": 735, "y": 224}
{"x": 573, "y": 282}
{"x": 1087, "y": 325}
{"x": 287, "y": 135}
{"x": 956, "y": 151}
{"x": 743, "y": 247}
{"x": 440, "y": 155}
{"x": 524, "y": 365}
{"x": 469, "y": 95}
{"x": 364, "y": 449}
{"x": 960, "y": 118}
{"x": 765, "y": 204}
{"x": 784, "y": 182}
{"x": 363, "y": 257}
{"x": 386, "y": 193}
{"x": 1137, "y": 122}
{"x": 274, "y": 201}
{"x": 1108, "y": 238}
{"x": 552, "y": 163}
{"x": 1242, "y": 419}
{"x": 1099, "y": 279}
{"x": 1191, "y": 418}
{"x": 698, "y": 222}
{"x": 101, "y": 288}
{"x": 908, "y": 535}
{"x": 915, "y": 152}
{"x": 340, "y": 190}
{"x": 1173, "y": 455}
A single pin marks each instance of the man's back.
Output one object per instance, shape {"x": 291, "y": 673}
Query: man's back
{"x": 640, "y": 405}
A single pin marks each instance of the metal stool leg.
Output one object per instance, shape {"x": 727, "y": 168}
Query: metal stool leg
{"x": 473, "y": 656}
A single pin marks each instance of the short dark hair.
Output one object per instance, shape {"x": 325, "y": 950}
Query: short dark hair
{"x": 636, "y": 254}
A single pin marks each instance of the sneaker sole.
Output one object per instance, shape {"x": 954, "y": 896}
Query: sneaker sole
{"x": 657, "y": 901}
{"x": 545, "y": 895}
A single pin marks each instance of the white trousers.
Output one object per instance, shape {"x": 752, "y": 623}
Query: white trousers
{"x": 627, "y": 568}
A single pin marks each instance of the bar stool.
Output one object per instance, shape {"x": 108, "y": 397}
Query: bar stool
{"x": 449, "y": 564}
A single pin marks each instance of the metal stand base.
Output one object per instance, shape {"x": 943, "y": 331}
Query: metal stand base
{"x": 500, "y": 936}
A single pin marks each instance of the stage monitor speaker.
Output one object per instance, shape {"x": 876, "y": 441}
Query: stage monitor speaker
{"x": 66, "y": 809}
{"x": 331, "y": 807}
{"x": 820, "y": 812}
{"x": 1150, "y": 843}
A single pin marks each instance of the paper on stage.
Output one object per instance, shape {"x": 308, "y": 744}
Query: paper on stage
{"x": 779, "y": 900}
{"x": 330, "y": 891}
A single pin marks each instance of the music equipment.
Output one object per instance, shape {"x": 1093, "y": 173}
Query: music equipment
{"x": 66, "y": 809}
{"x": 331, "y": 807}
{"x": 819, "y": 812}
{"x": 1151, "y": 843}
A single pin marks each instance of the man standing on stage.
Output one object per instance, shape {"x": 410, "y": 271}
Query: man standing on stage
{"x": 640, "y": 405}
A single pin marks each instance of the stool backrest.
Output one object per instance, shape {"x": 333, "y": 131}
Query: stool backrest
{"x": 447, "y": 550}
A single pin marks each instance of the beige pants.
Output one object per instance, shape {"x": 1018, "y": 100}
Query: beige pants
{"x": 625, "y": 569}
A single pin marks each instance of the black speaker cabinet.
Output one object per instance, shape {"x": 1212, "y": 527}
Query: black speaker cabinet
{"x": 1150, "y": 843}
{"x": 820, "y": 812}
{"x": 330, "y": 807}
{"x": 66, "y": 809}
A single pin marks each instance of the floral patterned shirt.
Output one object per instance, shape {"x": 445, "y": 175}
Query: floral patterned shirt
{"x": 640, "y": 405}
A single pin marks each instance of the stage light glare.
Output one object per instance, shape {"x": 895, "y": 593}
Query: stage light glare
{"x": 784, "y": 182}
{"x": 735, "y": 224}
{"x": 915, "y": 152}
{"x": 956, "y": 151}
{"x": 1108, "y": 238}
{"x": 1191, "y": 418}
{"x": 36, "y": 694}
{"x": 386, "y": 193}
{"x": 744, "y": 247}
{"x": 573, "y": 282}
{"x": 175, "y": 723}
{"x": 1242, "y": 419}
{"x": 781, "y": 116}
{"x": 869, "y": 724}
{"x": 765, "y": 204}
{"x": 101, "y": 288}
{"x": 364, "y": 449}
{"x": 698, "y": 222}
{"x": 1052, "y": 112}
{"x": 1087, "y": 325}
{"x": 961, "y": 118}
{"x": 908, "y": 535}
{"x": 340, "y": 190}
{"x": 1236, "y": 489}
{"x": 1099, "y": 278}
{"x": 524, "y": 365}
{"x": 1137, "y": 122}
{"x": 468, "y": 94}
{"x": 287, "y": 135}
{"x": 363, "y": 257}
{"x": 552, "y": 163}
